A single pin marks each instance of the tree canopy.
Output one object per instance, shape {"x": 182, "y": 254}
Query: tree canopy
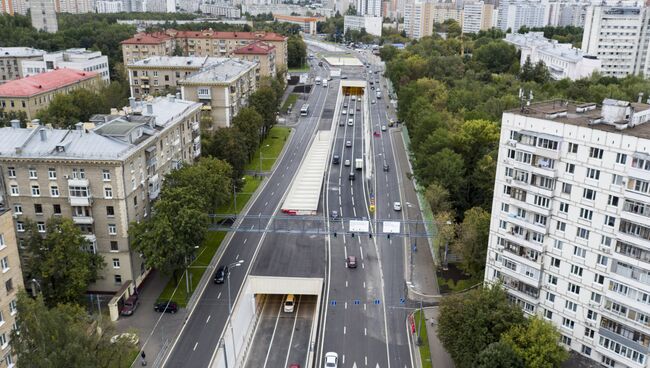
{"x": 536, "y": 342}
{"x": 297, "y": 52}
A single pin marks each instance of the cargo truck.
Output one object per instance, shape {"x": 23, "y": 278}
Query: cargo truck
{"x": 358, "y": 163}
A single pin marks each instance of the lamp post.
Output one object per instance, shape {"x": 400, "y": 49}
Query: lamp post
{"x": 444, "y": 263}
{"x": 232, "y": 333}
{"x": 36, "y": 283}
{"x": 187, "y": 274}
{"x": 267, "y": 145}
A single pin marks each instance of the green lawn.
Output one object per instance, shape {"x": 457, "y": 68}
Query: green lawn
{"x": 425, "y": 353}
{"x": 457, "y": 286}
{"x": 271, "y": 148}
{"x": 197, "y": 268}
{"x": 304, "y": 68}
{"x": 291, "y": 100}
{"x": 250, "y": 186}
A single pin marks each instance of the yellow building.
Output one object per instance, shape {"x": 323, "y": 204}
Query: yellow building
{"x": 11, "y": 278}
{"x": 35, "y": 93}
{"x": 261, "y": 53}
{"x": 144, "y": 45}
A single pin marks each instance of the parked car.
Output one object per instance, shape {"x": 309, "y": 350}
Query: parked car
{"x": 220, "y": 275}
{"x": 351, "y": 262}
{"x": 166, "y": 306}
{"x": 130, "y": 305}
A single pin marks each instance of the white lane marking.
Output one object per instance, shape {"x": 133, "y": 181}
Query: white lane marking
{"x": 364, "y": 307}
{"x": 361, "y": 251}
{"x": 208, "y": 320}
{"x": 345, "y": 250}
{"x": 346, "y": 305}
{"x": 343, "y": 360}
{"x": 245, "y": 240}
{"x": 277, "y": 319}
{"x": 346, "y": 283}
{"x": 363, "y": 265}
{"x": 359, "y": 240}
{"x": 266, "y": 204}
{"x": 354, "y": 210}
{"x": 252, "y": 226}
{"x": 364, "y": 284}
{"x": 277, "y": 185}
{"x": 195, "y": 345}
{"x": 366, "y": 359}
{"x": 365, "y": 332}
{"x": 272, "y": 193}
{"x": 219, "y": 296}
{"x": 295, "y": 319}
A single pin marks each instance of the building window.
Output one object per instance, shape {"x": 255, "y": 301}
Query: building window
{"x": 566, "y": 188}
{"x": 599, "y": 279}
{"x": 570, "y": 168}
{"x": 610, "y": 220}
{"x": 550, "y": 297}
{"x": 592, "y": 315}
{"x": 582, "y": 233}
{"x": 595, "y": 153}
{"x": 589, "y": 194}
{"x": 54, "y": 191}
{"x": 555, "y": 262}
{"x": 4, "y": 262}
{"x": 118, "y": 279}
{"x": 573, "y": 148}
{"x": 621, "y": 158}
{"x": 548, "y": 314}
{"x": 20, "y": 226}
{"x": 57, "y": 209}
{"x": 570, "y": 306}
{"x": 114, "y": 247}
{"x": 12, "y": 307}
{"x": 586, "y": 214}
{"x": 612, "y": 201}
{"x": 564, "y": 207}
{"x": 552, "y": 280}
{"x": 106, "y": 175}
{"x": 32, "y": 173}
{"x": 11, "y": 172}
{"x": 586, "y": 350}
{"x": 576, "y": 270}
{"x": 9, "y": 285}
{"x": 108, "y": 192}
{"x": 41, "y": 227}
{"x": 116, "y": 263}
{"x": 560, "y": 226}
{"x": 18, "y": 209}
{"x": 112, "y": 229}
{"x": 593, "y": 174}
{"x": 51, "y": 173}
{"x": 3, "y": 340}
{"x": 568, "y": 323}
{"x": 38, "y": 208}
{"x": 110, "y": 211}
{"x": 617, "y": 179}
{"x": 14, "y": 190}
{"x": 579, "y": 251}
{"x": 573, "y": 288}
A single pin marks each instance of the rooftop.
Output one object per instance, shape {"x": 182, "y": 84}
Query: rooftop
{"x": 20, "y": 52}
{"x": 112, "y": 137}
{"x": 195, "y": 62}
{"x": 208, "y": 33}
{"x": 227, "y": 71}
{"x": 148, "y": 38}
{"x": 614, "y": 116}
{"x": 44, "y": 82}
{"x": 255, "y": 48}
{"x": 537, "y": 40}
{"x": 296, "y": 18}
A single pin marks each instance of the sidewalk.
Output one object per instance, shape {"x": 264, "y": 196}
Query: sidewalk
{"x": 439, "y": 356}
{"x": 144, "y": 319}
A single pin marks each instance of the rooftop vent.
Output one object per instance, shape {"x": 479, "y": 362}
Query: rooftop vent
{"x": 582, "y": 108}
{"x": 43, "y": 134}
{"x": 15, "y": 123}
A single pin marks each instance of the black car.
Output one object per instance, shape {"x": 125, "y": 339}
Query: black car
{"x": 220, "y": 275}
{"x": 166, "y": 306}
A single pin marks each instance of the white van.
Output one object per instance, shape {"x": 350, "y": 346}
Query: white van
{"x": 289, "y": 303}
{"x": 324, "y": 82}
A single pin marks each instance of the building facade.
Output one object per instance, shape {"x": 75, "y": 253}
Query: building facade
{"x": 420, "y": 16}
{"x": 617, "y": 36}
{"x": 372, "y": 25}
{"x": 570, "y": 230}
{"x": 43, "y": 15}
{"x": 307, "y": 24}
{"x": 260, "y": 53}
{"x": 561, "y": 59}
{"x": 514, "y": 14}
{"x": 103, "y": 6}
{"x": 103, "y": 176}
{"x": 74, "y": 6}
{"x": 478, "y": 16}
{"x": 223, "y": 89}
{"x": 32, "y": 94}
{"x": 144, "y": 45}
{"x": 369, "y": 7}
{"x": 78, "y": 59}
{"x": 220, "y": 9}
{"x": 12, "y": 280}
{"x": 12, "y": 58}
{"x": 161, "y": 74}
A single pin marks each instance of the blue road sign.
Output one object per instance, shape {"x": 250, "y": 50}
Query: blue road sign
{"x": 402, "y": 300}
{"x": 333, "y": 302}
{"x": 357, "y": 301}
{"x": 377, "y": 301}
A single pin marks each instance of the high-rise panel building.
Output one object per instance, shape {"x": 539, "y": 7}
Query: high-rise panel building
{"x": 369, "y": 7}
{"x": 570, "y": 229}
{"x": 514, "y": 14}
{"x": 478, "y": 16}
{"x": 74, "y": 6}
{"x": 43, "y": 14}
{"x": 419, "y": 16}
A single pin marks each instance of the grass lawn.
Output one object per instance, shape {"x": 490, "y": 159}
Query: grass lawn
{"x": 197, "y": 268}
{"x": 291, "y": 100}
{"x": 271, "y": 148}
{"x": 425, "y": 353}
{"x": 304, "y": 68}
{"x": 250, "y": 186}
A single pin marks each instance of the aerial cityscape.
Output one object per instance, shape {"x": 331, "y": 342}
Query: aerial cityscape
{"x": 326, "y": 184}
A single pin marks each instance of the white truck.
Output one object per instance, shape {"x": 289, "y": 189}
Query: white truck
{"x": 358, "y": 163}
{"x": 317, "y": 81}
{"x": 335, "y": 73}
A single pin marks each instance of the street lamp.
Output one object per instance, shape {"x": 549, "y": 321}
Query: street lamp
{"x": 444, "y": 263}
{"x": 267, "y": 145}
{"x": 187, "y": 279}
{"x": 229, "y": 321}
{"x": 35, "y": 283}
{"x": 234, "y": 264}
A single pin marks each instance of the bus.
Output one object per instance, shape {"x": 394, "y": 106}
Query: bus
{"x": 304, "y": 110}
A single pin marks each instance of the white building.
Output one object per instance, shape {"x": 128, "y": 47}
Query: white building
{"x": 372, "y": 25}
{"x": 561, "y": 59}
{"x": 79, "y": 59}
{"x": 43, "y": 16}
{"x": 420, "y": 16}
{"x": 570, "y": 228}
{"x": 109, "y": 6}
{"x": 515, "y": 14}
{"x": 74, "y": 6}
{"x": 221, "y": 9}
{"x": 159, "y": 6}
{"x": 369, "y": 7}
{"x": 478, "y": 16}
{"x": 562, "y": 13}
{"x": 617, "y": 35}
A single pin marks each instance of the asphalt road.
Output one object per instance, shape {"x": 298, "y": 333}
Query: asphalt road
{"x": 199, "y": 338}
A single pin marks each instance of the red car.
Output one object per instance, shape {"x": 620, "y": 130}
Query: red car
{"x": 294, "y": 365}
{"x": 129, "y": 305}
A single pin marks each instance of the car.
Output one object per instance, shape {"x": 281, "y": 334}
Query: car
{"x": 331, "y": 360}
{"x": 341, "y": 122}
{"x": 348, "y": 143}
{"x": 358, "y": 99}
{"x": 166, "y": 306}
{"x": 397, "y": 206}
{"x": 336, "y": 159}
{"x": 371, "y": 83}
{"x": 386, "y": 167}
{"x": 351, "y": 112}
{"x": 130, "y": 305}
{"x": 221, "y": 274}
{"x": 294, "y": 365}
{"x": 372, "y": 88}
{"x": 289, "y": 303}
{"x": 373, "y": 102}
{"x": 346, "y": 163}
{"x": 127, "y": 337}
{"x": 383, "y": 128}
{"x": 344, "y": 111}
{"x": 351, "y": 176}
{"x": 350, "y": 121}
{"x": 351, "y": 262}
{"x": 334, "y": 215}
{"x": 345, "y": 106}
{"x": 344, "y": 77}
{"x": 359, "y": 108}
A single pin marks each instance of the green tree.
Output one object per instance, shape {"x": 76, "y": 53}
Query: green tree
{"x": 472, "y": 241}
{"x": 499, "y": 355}
{"x": 527, "y": 71}
{"x": 61, "y": 261}
{"x": 496, "y": 56}
{"x": 64, "y": 336}
{"x": 447, "y": 168}
{"x": 541, "y": 73}
{"x": 471, "y": 321}
{"x": 249, "y": 122}
{"x": 296, "y": 52}
{"x": 210, "y": 179}
{"x": 225, "y": 144}
{"x": 65, "y": 110}
{"x": 438, "y": 198}
{"x": 537, "y": 343}
{"x": 265, "y": 102}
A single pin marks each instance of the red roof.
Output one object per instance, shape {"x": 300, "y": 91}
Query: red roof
{"x": 256, "y": 48}
{"x": 296, "y": 18}
{"x": 147, "y": 39}
{"x": 43, "y": 82}
{"x": 264, "y": 36}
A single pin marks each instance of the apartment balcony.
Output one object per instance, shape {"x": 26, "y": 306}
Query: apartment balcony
{"x": 197, "y": 152}
{"x": 204, "y": 97}
{"x": 87, "y": 220}
{"x": 602, "y": 331}
{"x": 154, "y": 187}
{"x": 92, "y": 239}
{"x": 81, "y": 201}
{"x": 74, "y": 182}
{"x": 196, "y": 126}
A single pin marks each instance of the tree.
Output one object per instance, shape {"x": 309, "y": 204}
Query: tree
{"x": 64, "y": 336}
{"x": 499, "y": 355}
{"x": 265, "y": 102}
{"x": 61, "y": 261}
{"x": 537, "y": 343}
{"x": 210, "y": 179}
{"x": 496, "y": 56}
{"x": 541, "y": 74}
{"x": 447, "y": 229}
{"x": 249, "y": 122}
{"x": 472, "y": 241}
{"x": 526, "y": 73}
{"x": 296, "y": 52}
{"x": 471, "y": 321}
{"x": 225, "y": 144}
{"x": 438, "y": 198}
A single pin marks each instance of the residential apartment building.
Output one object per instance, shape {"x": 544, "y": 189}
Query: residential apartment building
{"x": 11, "y": 59}
{"x": 570, "y": 227}
{"x": 372, "y": 25}
{"x": 32, "y": 94}
{"x": 514, "y": 14}
{"x": 43, "y": 15}
{"x": 420, "y": 16}
{"x": 78, "y": 59}
{"x": 220, "y": 9}
{"x": 161, "y": 74}
{"x": 617, "y": 36}
{"x": 103, "y": 175}
{"x": 260, "y": 53}
{"x": 103, "y": 6}
{"x": 478, "y": 16}
{"x": 144, "y": 45}
{"x": 11, "y": 280}
{"x": 290, "y": 9}
{"x": 561, "y": 59}
{"x": 223, "y": 89}
{"x": 12, "y": 7}
{"x": 562, "y": 14}
{"x": 307, "y": 24}
{"x": 74, "y": 6}
{"x": 369, "y": 7}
